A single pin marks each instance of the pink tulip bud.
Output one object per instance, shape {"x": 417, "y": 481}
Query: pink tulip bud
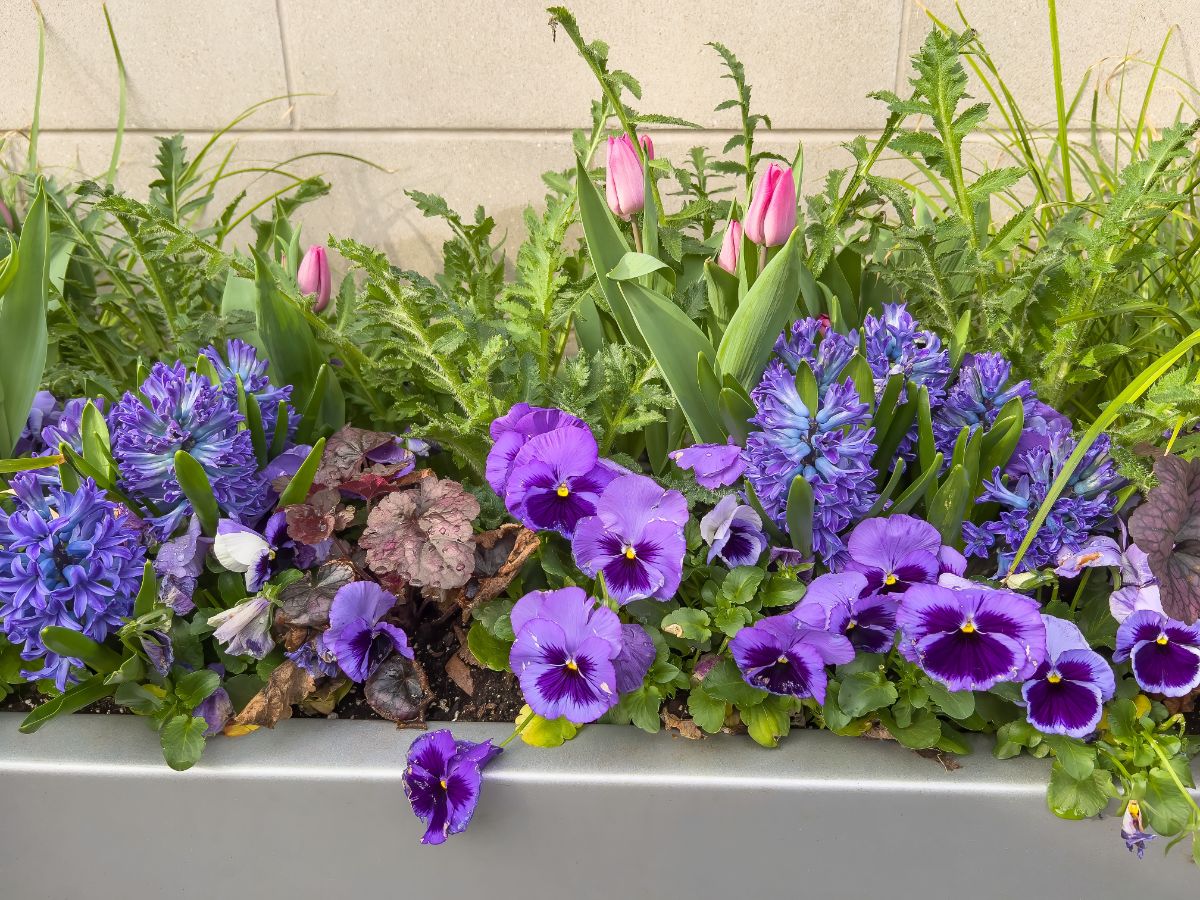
{"x": 731, "y": 246}
{"x": 624, "y": 182}
{"x": 648, "y": 146}
{"x": 771, "y": 217}
{"x": 313, "y": 277}
{"x": 6, "y": 214}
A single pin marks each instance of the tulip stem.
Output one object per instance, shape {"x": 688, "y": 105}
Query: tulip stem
{"x": 637, "y": 237}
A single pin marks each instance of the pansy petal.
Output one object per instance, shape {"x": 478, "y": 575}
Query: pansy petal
{"x": 1067, "y": 707}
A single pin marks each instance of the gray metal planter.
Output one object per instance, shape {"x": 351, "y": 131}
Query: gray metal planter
{"x": 315, "y": 809}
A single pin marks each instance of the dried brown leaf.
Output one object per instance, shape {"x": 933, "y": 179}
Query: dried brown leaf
{"x": 682, "y": 726}
{"x": 492, "y": 578}
{"x": 460, "y": 674}
{"x": 288, "y": 684}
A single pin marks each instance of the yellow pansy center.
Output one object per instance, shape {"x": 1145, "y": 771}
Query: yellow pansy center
{"x": 968, "y": 627}
{"x": 782, "y": 658}
{"x": 572, "y": 665}
{"x": 890, "y": 578}
{"x": 851, "y": 624}
{"x": 1134, "y": 809}
{"x": 630, "y": 553}
{"x": 1054, "y": 678}
{"x": 563, "y": 490}
{"x": 443, "y": 784}
{"x": 1161, "y": 640}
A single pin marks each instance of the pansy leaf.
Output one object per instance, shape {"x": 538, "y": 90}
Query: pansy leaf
{"x": 195, "y": 687}
{"x": 1167, "y": 809}
{"x": 955, "y": 704}
{"x": 1076, "y": 757}
{"x": 725, "y": 682}
{"x": 921, "y": 731}
{"x": 864, "y": 692}
{"x": 768, "y": 721}
{"x": 1078, "y": 798}
{"x": 183, "y": 741}
{"x": 706, "y": 710}
{"x": 488, "y": 649}
{"x": 689, "y": 624}
{"x": 1167, "y": 527}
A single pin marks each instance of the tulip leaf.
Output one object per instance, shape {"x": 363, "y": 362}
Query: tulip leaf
{"x": 765, "y": 311}
{"x": 71, "y": 700}
{"x": 949, "y": 506}
{"x": 280, "y": 438}
{"x": 68, "y": 642}
{"x": 893, "y": 482}
{"x": 638, "y": 265}
{"x": 23, "y": 331}
{"x": 312, "y": 406}
{"x": 193, "y": 481}
{"x": 722, "y": 293}
{"x": 606, "y": 247}
{"x": 26, "y": 464}
{"x": 915, "y": 491}
{"x": 675, "y": 342}
{"x": 298, "y": 488}
{"x": 588, "y": 329}
{"x": 800, "y": 515}
{"x": 735, "y": 411}
{"x": 254, "y": 423}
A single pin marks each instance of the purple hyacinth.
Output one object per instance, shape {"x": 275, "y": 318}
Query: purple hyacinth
{"x": 1085, "y": 506}
{"x": 714, "y": 465}
{"x": 841, "y": 604}
{"x": 178, "y": 563}
{"x": 896, "y": 345}
{"x": 512, "y": 431}
{"x": 733, "y": 533}
{"x": 1040, "y": 423}
{"x": 635, "y": 538}
{"x": 976, "y": 398}
{"x": 71, "y": 559}
{"x": 44, "y": 413}
{"x": 184, "y": 411}
{"x": 556, "y": 480}
{"x": 1067, "y": 693}
{"x": 825, "y": 352}
{"x": 971, "y": 639}
{"x": 783, "y": 655}
{"x": 241, "y": 361}
{"x": 1165, "y": 653}
{"x": 356, "y": 636}
{"x": 831, "y": 447}
{"x": 563, "y": 654}
{"x": 894, "y": 553}
{"x": 442, "y": 781}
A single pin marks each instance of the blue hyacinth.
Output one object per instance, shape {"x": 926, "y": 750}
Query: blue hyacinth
{"x": 241, "y": 361}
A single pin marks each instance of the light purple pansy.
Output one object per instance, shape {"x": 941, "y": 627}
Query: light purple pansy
{"x": 356, "y": 636}
{"x": 245, "y": 629}
{"x": 442, "y": 781}
{"x": 634, "y": 661}
{"x": 836, "y": 604}
{"x": 714, "y": 465}
{"x": 733, "y": 533}
{"x": 1139, "y": 587}
{"x": 782, "y": 655}
{"x": 1067, "y": 693}
{"x": 555, "y": 480}
{"x": 563, "y": 654}
{"x": 216, "y": 710}
{"x": 894, "y": 552}
{"x": 510, "y": 433}
{"x": 635, "y": 539}
{"x": 971, "y": 638}
{"x": 1165, "y": 653}
{"x": 178, "y": 564}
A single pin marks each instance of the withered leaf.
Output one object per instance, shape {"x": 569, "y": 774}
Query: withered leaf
{"x": 287, "y": 685}
{"x": 494, "y": 573}
{"x": 399, "y": 690}
{"x": 307, "y": 601}
{"x": 319, "y": 517}
{"x": 684, "y": 727}
{"x": 460, "y": 674}
{"x": 1167, "y": 527}
{"x": 423, "y": 535}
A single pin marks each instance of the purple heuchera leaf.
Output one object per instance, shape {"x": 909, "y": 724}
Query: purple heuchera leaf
{"x": 971, "y": 638}
{"x": 734, "y": 533}
{"x": 357, "y": 637}
{"x": 714, "y": 465}
{"x": 783, "y": 655}
{"x": 635, "y": 538}
{"x": 634, "y": 661}
{"x": 836, "y": 603}
{"x": 1165, "y": 653}
{"x": 424, "y": 535}
{"x": 442, "y": 782}
{"x": 563, "y": 654}
{"x": 1067, "y": 693}
{"x": 1167, "y": 527}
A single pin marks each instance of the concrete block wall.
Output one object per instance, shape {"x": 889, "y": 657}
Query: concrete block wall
{"x": 473, "y": 99}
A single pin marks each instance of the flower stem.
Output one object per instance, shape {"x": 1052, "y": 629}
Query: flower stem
{"x": 1187, "y": 795}
{"x": 516, "y": 731}
{"x": 637, "y": 236}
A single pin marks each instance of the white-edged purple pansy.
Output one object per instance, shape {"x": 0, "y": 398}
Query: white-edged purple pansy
{"x": 245, "y": 629}
{"x": 734, "y": 533}
{"x": 1066, "y": 695}
{"x": 1165, "y": 653}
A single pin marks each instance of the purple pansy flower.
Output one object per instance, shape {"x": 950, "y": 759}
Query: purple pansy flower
{"x": 555, "y": 480}
{"x": 216, "y": 710}
{"x": 1165, "y": 653}
{"x": 1139, "y": 587}
{"x": 971, "y": 638}
{"x": 634, "y": 661}
{"x": 67, "y": 558}
{"x": 1067, "y": 693}
{"x": 245, "y": 629}
{"x": 512, "y": 431}
{"x": 178, "y": 564}
{"x": 442, "y": 782}
{"x": 563, "y": 654}
{"x": 714, "y": 465}
{"x": 782, "y": 655}
{"x": 315, "y": 658}
{"x": 242, "y": 549}
{"x": 356, "y": 637}
{"x": 635, "y": 538}
{"x": 1133, "y": 831}
{"x": 836, "y": 604}
{"x": 894, "y": 553}
{"x": 733, "y": 533}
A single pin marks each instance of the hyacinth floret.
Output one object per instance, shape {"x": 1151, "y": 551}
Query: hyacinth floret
{"x": 67, "y": 558}
{"x": 830, "y": 446}
{"x": 825, "y": 351}
{"x": 895, "y": 345}
{"x": 1085, "y": 507}
{"x": 976, "y": 398}
{"x": 241, "y": 361}
{"x": 181, "y": 410}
